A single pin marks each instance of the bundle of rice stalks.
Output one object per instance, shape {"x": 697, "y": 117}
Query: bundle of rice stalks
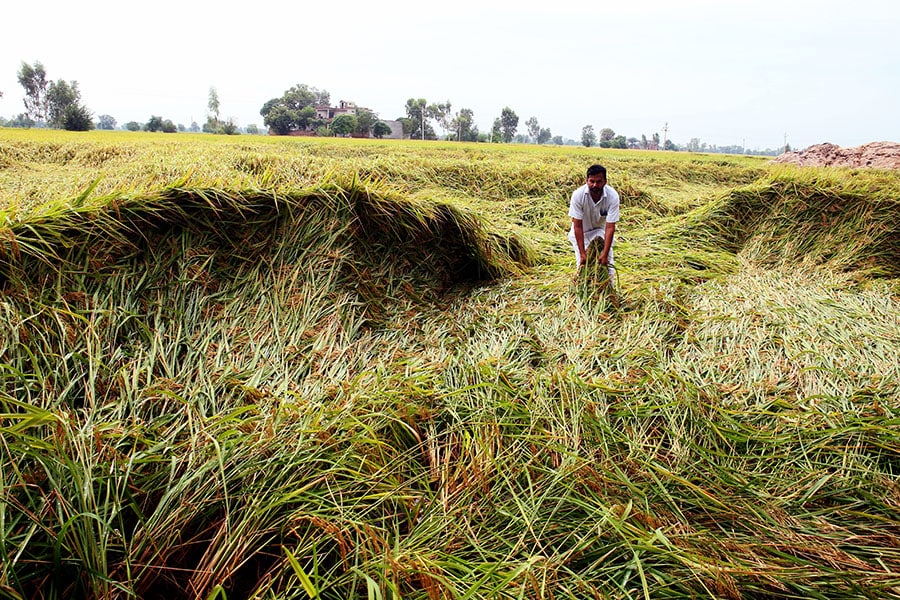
{"x": 593, "y": 283}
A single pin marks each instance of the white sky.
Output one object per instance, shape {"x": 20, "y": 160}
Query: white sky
{"x": 726, "y": 72}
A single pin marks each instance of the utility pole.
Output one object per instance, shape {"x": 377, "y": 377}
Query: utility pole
{"x": 665, "y": 133}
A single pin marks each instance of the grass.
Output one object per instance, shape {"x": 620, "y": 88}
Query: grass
{"x": 272, "y": 368}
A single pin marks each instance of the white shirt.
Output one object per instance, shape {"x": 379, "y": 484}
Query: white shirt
{"x": 594, "y": 215}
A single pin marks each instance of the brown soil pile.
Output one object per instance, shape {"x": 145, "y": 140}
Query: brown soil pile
{"x": 875, "y": 155}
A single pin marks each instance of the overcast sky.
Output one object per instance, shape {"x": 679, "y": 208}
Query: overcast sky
{"x": 728, "y": 73}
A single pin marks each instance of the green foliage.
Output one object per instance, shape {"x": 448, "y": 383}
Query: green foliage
{"x": 295, "y": 110}
{"x": 588, "y": 137}
{"x": 381, "y": 129}
{"x": 155, "y": 123}
{"x": 106, "y": 122}
{"x": 509, "y": 121}
{"x": 22, "y": 120}
{"x": 464, "y": 126}
{"x": 343, "y": 125}
{"x": 133, "y": 126}
{"x": 34, "y": 80}
{"x": 418, "y": 119}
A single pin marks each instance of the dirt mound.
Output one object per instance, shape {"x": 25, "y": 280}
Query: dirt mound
{"x": 875, "y": 155}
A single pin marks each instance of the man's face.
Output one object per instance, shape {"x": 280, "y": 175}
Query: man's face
{"x": 595, "y": 185}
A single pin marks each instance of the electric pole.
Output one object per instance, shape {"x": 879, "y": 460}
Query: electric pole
{"x": 665, "y": 134}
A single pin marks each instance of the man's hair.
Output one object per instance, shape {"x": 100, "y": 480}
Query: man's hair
{"x": 596, "y": 170}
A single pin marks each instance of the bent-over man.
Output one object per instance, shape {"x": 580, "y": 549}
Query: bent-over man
{"x": 594, "y": 209}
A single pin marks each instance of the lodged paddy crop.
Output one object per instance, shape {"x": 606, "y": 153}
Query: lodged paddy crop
{"x": 259, "y": 367}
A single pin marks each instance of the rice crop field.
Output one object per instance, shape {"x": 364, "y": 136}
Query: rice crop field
{"x": 264, "y": 367}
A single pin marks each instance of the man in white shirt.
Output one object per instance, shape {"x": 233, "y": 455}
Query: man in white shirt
{"x": 594, "y": 209}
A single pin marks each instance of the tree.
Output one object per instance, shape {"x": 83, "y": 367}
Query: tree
{"x": 497, "y": 131}
{"x": 381, "y": 129}
{"x": 588, "y": 137}
{"x": 464, "y": 126}
{"x": 106, "y": 122}
{"x": 440, "y": 113}
{"x": 365, "y": 121}
{"x": 669, "y": 145}
{"x": 606, "y": 135}
{"x": 557, "y": 140}
{"x": 22, "y": 120}
{"x": 544, "y": 136}
{"x": 252, "y": 129}
{"x": 168, "y": 127}
{"x": 343, "y": 125}
{"x": 64, "y": 110}
{"x": 34, "y": 80}
{"x": 213, "y": 105}
{"x": 295, "y": 110}
{"x": 154, "y": 124}
{"x": 534, "y": 128}
{"x": 418, "y": 114}
{"x": 509, "y": 122}
{"x": 133, "y": 126}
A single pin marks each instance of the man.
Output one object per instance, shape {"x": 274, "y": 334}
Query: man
{"x": 594, "y": 209}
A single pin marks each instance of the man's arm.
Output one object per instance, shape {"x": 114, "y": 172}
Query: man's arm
{"x": 578, "y": 228}
{"x": 607, "y": 241}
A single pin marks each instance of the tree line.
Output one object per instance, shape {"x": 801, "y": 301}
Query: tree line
{"x": 58, "y": 104}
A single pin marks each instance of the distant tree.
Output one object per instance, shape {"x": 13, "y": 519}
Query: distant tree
{"x": 543, "y": 136}
{"x": 381, "y": 129}
{"x": 534, "y": 128}
{"x": 606, "y": 135}
{"x": 619, "y": 142}
{"x": 557, "y": 140}
{"x": 34, "y": 80}
{"x": 64, "y": 110}
{"x": 295, "y": 110}
{"x": 509, "y": 122}
{"x": 106, "y": 122}
{"x": 418, "y": 114}
{"x": 213, "y": 105}
{"x": 343, "y": 125}
{"x": 168, "y": 126}
{"x": 229, "y": 127}
{"x": 407, "y": 125}
{"x": 644, "y": 143}
{"x": 440, "y": 112}
{"x": 588, "y": 137}
{"x": 464, "y": 126}
{"x": 78, "y": 118}
{"x": 497, "y": 131}
{"x": 252, "y": 129}
{"x": 632, "y": 143}
{"x": 365, "y": 121}
{"x": 133, "y": 126}
{"x": 670, "y": 145}
{"x": 154, "y": 124}
{"x": 22, "y": 120}
{"x": 194, "y": 128}
{"x": 655, "y": 139}
{"x": 181, "y": 128}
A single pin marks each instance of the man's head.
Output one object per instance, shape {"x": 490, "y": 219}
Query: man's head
{"x": 596, "y": 179}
